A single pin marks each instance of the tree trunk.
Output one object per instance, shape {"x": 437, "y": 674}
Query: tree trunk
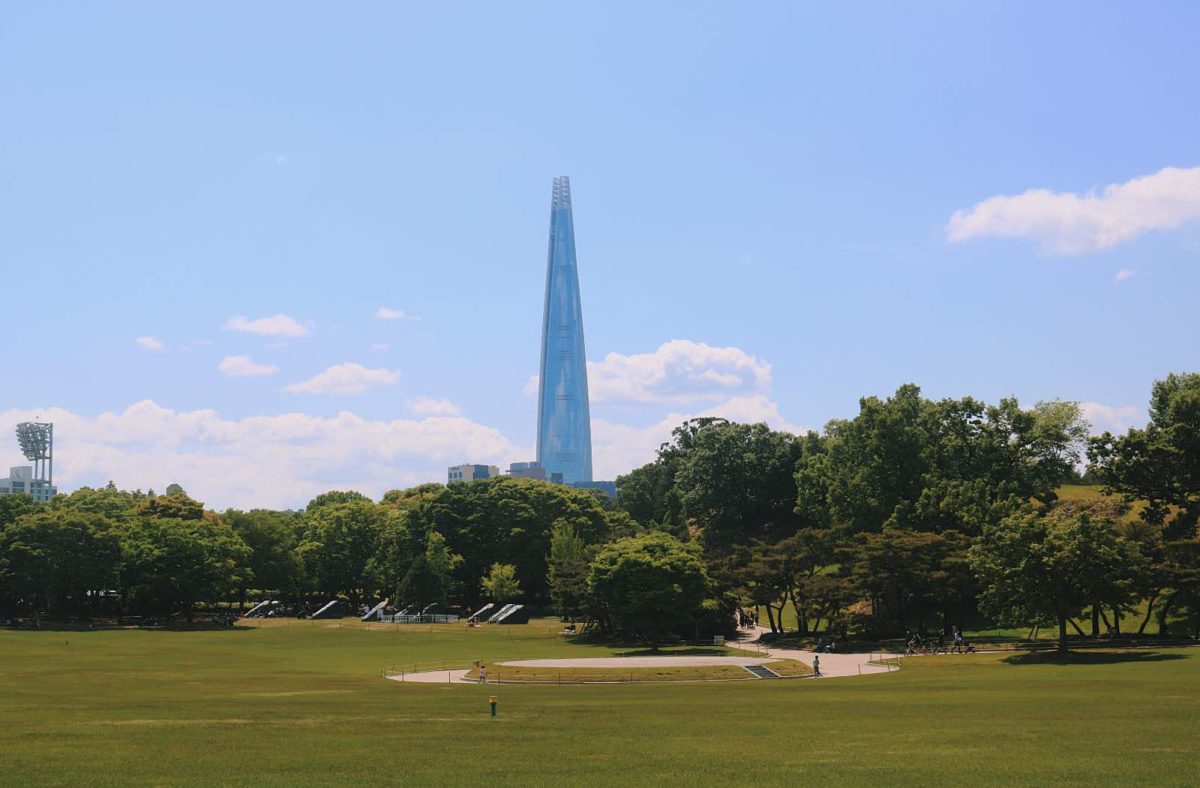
{"x": 771, "y": 619}
{"x": 1163, "y": 612}
{"x": 1062, "y": 634}
{"x": 1149, "y": 611}
{"x": 1095, "y": 620}
{"x": 1076, "y": 627}
{"x": 1116, "y": 621}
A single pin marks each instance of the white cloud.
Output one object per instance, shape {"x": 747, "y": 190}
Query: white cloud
{"x": 276, "y": 461}
{"x": 244, "y": 366}
{"x": 383, "y": 313}
{"x": 1123, "y": 274}
{"x": 430, "y": 406}
{"x": 679, "y": 371}
{"x": 150, "y": 343}
{"x": 618, "y": 448}
{"x": 1069, "y": 223}
{"x": 280, "y": 325}
{"x": 348, "y": 378}
{"x": 1116, "y": 419}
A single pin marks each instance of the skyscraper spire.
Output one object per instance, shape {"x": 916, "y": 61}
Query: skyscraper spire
{"x": 564, "y": 447}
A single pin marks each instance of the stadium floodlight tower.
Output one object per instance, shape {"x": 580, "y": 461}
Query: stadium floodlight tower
{"x": 37, "y": 444}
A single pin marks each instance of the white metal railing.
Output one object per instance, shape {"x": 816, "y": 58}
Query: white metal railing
{"x": 437, "y": 618}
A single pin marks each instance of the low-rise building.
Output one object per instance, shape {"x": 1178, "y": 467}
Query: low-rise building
{"x": 21, "y": 481}
{"x": 470, "y": 472}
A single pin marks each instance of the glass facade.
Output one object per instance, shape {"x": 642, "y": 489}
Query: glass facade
{"x": 564, "y": 445}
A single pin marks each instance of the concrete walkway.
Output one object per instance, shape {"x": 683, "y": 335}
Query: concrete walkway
{"x": 832, "y": 665}
{"x": 639, "y": 662}
{"x": 452, "y": 676}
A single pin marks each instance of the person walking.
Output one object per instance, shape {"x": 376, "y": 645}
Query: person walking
{"x": 483, "y": 674}
{"x": 816, "y": 666}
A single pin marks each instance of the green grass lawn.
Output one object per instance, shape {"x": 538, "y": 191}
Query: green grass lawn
{"x": 305, "y": 705}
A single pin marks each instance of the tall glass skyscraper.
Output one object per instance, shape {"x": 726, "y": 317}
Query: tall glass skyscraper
{"x": 564, "y": 447}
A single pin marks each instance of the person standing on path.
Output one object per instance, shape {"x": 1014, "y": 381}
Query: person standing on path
{"x": 483, "y": 674}
{"x": 816, "y": 666}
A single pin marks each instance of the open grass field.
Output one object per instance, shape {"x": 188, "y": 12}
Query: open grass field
{"x": 305, "y": 705}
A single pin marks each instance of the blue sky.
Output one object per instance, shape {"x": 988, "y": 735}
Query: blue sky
{"x": 764, "y": 205}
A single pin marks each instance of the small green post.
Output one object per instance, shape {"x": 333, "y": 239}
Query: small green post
{"x": 492, "y": 703}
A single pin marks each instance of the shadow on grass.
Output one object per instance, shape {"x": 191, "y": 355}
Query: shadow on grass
{"x": 82, "y": 629}
{"x": 643, "y": 650}
{"x": 670, "y": 651}
{"x": 1089, "y": 657}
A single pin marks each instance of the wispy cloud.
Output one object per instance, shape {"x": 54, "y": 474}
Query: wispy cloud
{"x": 1069, "y": 223}
{"x": 280, "y": 325}
{"x": 384, "y": 313}
{"x": 348, "y": 378}
{"x": 150, "y": 343}
{"x": 244, "y": 367}
{"x": 1123, "y": 274}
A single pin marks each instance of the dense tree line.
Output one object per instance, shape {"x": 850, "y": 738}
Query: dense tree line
{"x": 921, "y": 514}
{"x": 915, "y": 514}
{"x": 107, "y": 550}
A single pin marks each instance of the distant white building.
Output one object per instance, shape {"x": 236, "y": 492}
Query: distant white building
{"x": 21, "y": 481}
{"x": 470, "y": 473}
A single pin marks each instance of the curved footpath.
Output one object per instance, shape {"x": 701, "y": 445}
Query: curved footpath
{"x": 832, "y": 665}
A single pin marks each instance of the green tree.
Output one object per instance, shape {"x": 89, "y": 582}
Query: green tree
{"x": 13, "y": 507}
{"x": 501, "y": 584}
{"x": 429, "y": 578}
{"x": 648, "y": 495}
{"x": 1037, "y": 568}
{"x": 508, "y": 521}
{"x": 55, "y": 559}
{"x": 911, "y": 577}
{"x": 649, "y": 587}
{"x": 116, "y": 505}
{"x": 170, "y": 507}
{"x": 341, "y": 546}
{"x": 736, "y": 482}
{"x": 406, "y": 498}
{"x": 568, "y": 564}
{"x": 1159, "y": 464}
{"x": 335, "y": 496}
{"x": 273, "y": 563}
{"x": 173, "y": 565}
{"x": 953, "y": 465}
